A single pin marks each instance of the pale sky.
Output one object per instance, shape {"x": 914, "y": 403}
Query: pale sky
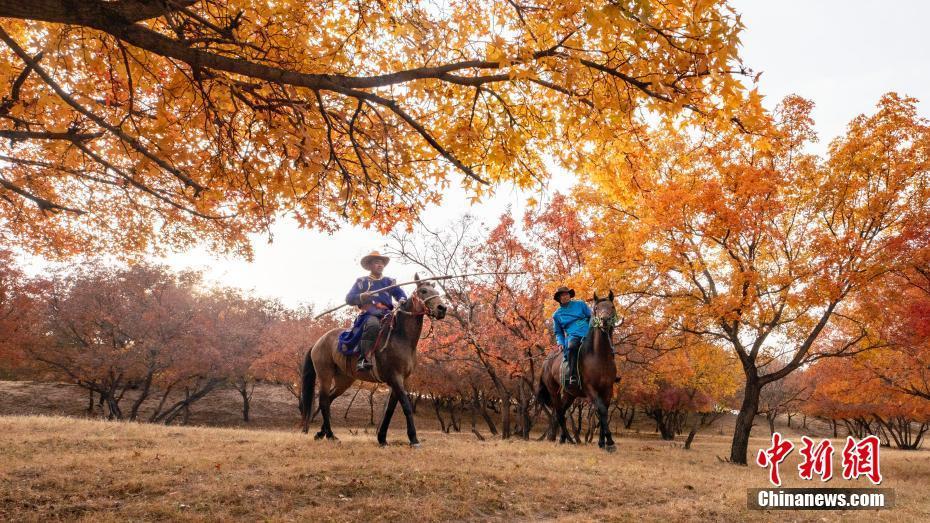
{"x": 841, "y": 54}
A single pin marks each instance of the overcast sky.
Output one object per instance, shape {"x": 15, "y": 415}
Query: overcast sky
{"x": 842, "y": 54}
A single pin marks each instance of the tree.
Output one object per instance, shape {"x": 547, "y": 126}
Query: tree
{"x": 238, "y": 324}
{"x": 755, "y": 245}
{"x": 867, "y": 404}
{"x": 139, "y": 329}
{"x": 678, "y": 379}
{"x": 20, "y": 310}
{"x": 900, "y": 312}
{"x": 138, "y": 124}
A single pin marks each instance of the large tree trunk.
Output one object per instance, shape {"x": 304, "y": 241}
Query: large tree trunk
{"x": 744, "y": 421}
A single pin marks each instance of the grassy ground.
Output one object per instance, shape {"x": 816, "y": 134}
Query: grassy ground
{"x": 55, "y": 467}
{"x": 73, "y": 469}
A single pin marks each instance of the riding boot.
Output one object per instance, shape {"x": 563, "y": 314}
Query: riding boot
{"x": 572, "y": 368}
{"x": 363, "y": 364}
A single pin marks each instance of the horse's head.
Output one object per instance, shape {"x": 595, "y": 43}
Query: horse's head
{"x": 427, "y": 296}
{"x": 605, "y": 312}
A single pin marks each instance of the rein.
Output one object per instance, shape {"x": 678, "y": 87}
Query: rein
{"x": 607, "y": 328}
{"x": 424, "y": 312}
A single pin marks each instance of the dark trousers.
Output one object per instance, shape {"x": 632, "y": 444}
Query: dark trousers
{"x": 369, "y": 334}
{"x": 371, "y": 327}
{"x": 571, "y": 347}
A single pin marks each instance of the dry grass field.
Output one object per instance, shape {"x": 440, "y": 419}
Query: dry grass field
{"x": 64, "y": 468}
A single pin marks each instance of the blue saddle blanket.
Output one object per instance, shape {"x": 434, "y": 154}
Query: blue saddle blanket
{"x": 348, "y": 340}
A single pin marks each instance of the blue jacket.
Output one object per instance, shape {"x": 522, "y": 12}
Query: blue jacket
{"x": 571, "y": 320}
{"x": 381, "y": 301}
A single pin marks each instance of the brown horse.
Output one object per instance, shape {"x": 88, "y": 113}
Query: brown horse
{"x": 393, "y": 363}
{"x": 597, "y": 373}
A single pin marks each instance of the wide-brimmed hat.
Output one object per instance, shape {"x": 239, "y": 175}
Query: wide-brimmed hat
{"x": 562, "y": 290}
{"x": 372, "y": 256}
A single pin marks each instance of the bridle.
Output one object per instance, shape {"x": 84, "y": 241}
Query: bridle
{"x": 606, "y": 326}
{"x": 422, "y": 304}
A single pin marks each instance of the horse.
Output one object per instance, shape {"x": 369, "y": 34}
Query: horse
{"x": 597, "y": 374}
{"x": 393, "y": 362}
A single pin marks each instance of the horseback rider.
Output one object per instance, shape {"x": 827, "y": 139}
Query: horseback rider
{"x": 571, "y": 322}
{"x": 373, "y": 303}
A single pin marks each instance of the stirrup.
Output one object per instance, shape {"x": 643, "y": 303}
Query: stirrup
{"x": 363, "y": 364}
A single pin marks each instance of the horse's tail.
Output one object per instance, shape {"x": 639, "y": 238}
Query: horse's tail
{"x": 307, "y": 386}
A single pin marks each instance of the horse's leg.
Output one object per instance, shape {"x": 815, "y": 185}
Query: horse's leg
{"x": 605, "y": 437}
{"x": 343, "y": 382}
{"x": 553, "y": 422}
{"x": 386, "y": 420}
{"x": 397, "y": 387}
{"x": 563, "y": 406}
{"x": 326, "y": 389}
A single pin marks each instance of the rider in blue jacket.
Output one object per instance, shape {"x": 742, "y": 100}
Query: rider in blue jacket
{"x": 373, "y": 304}
{"x": 570, "y": 322}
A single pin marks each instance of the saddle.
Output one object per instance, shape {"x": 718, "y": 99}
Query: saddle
{"x": 349, "y": 339}
{"x": 384, "y": 333}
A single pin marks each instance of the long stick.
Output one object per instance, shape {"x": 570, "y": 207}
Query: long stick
{"x": 434, "y": 278}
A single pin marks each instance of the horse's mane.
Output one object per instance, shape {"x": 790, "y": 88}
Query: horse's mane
{"x": 399, "y": 317}
{"x": 399, "y": 329}
{"x": 587, "y": 343}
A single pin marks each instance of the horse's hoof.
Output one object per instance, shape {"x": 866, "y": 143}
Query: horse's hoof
{"x": 415, "y": 445}
{"x": 319, "y": 435}
{"x": 382, "y": 444}
{"x": 611, "y": 448}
